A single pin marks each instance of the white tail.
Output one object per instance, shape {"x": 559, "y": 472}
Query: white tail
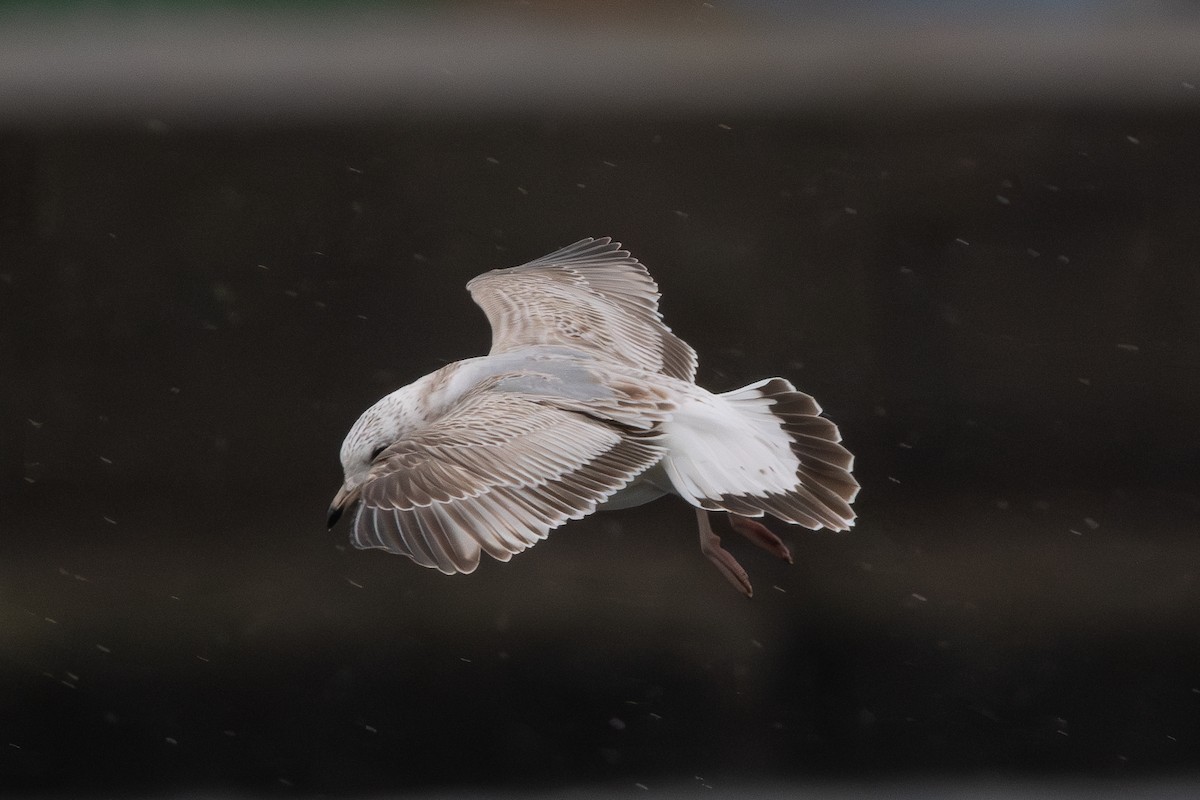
{"x": 760, "y": 449}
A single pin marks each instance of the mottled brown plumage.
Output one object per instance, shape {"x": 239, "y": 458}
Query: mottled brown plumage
{"x": 586, "y": 400}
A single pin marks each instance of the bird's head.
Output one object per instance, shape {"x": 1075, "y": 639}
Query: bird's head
{"x": 375, "y": 430}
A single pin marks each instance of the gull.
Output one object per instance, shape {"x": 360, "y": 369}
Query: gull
{"x": 586, "y": 401}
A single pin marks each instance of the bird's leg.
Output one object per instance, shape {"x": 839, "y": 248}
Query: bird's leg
{"x": 761, "y": 535}
{"x": 710, "y": 545}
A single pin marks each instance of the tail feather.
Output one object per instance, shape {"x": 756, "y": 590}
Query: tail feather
{"x": 760, "y": 449}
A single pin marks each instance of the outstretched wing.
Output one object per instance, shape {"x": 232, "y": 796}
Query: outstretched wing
{"x": 590, "y": 296}
{"x": 495, "y": 475}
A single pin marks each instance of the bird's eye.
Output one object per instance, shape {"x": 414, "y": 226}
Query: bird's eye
{"x": 375, "y": 453}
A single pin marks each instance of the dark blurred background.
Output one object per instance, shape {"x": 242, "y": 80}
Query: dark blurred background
{"x": 970, "y": 232}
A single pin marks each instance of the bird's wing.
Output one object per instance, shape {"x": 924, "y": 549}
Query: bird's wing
{"x": 592, "y": 296}
{"x": 496, "y": 475}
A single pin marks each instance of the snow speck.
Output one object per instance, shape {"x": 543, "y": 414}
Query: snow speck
{"x": 918, "y": 597}
{"x": 963, "y": 242}
{"x": 724, "y": 127}
{"x": 1091, "y": 523}
{"x": 1002, "y": 200}
{"x": 1128, "y": 348}
{"x": 1031, "y": 252}
{"x": 103, "y": 649}
{"x": 171, "y": 740}
{"x": 355, "y": 584}
{"x": 617, "y": 724}
{"x": 109, "y": 520}
{"x": 1133, "y": 140}
{"x": 642, "y": 786}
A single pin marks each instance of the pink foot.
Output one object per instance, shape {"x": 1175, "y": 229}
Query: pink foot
{"x": 710, "y": 545}
{"x": 761, "y": 535}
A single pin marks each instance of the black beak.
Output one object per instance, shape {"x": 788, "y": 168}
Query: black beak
{"x": 343, "y": 499}
{"x": 335, "y": 513}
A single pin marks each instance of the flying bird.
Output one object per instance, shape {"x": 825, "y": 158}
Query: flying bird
{"x": 586, "y": 401}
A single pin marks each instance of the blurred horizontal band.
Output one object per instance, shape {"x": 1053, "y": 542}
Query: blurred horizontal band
{"x": 271, "y": 67}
